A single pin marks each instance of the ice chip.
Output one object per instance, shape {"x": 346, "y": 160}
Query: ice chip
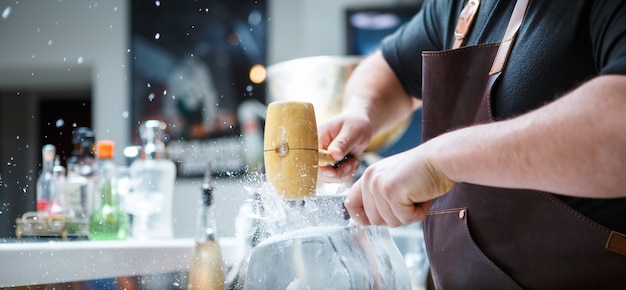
{"x": 6, "y": 12}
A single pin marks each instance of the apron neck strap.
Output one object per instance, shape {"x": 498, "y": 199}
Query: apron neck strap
{"x": 466, "y": 19}
{"x": 509, "y": 36}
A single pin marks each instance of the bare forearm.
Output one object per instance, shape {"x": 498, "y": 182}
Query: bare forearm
{"x": 374, "y": 90}
{"x": 575, "y": 146}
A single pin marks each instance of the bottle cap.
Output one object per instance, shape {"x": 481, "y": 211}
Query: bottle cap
{"x": 105, "y": 149}
{"x": 207, "y": 188}
{"x": 83, "y": 139}
{"x": 48, "y": 151}
{"x": 151, "y": 133}
{"x": 81, "y": 134}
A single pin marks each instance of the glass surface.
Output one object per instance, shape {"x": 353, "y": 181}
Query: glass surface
{"x": 109, "y": 221}
{"x": 350, "y": 257}
{"x": 150, "y": 200}
{"x": 312, "y": 244}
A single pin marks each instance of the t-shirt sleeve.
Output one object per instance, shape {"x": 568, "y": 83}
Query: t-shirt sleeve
{"x": 608, "y": 36}
{"x": 403, "y": 49}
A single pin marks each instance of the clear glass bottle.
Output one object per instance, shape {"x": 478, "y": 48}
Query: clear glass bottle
{"x": 108, "y": 222}
{"x": 56, "y": 204}
{"x": 153, "y": 176}
{"x": 77, "y": 190}
{"x": 206, "y": 270}
{"x": 80, "y": 193}
{"x": 46, "y": 177}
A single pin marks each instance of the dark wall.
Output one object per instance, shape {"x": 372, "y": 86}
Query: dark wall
{"x": 30, "y": 119}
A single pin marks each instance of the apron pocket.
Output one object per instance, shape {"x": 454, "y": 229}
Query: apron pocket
{"x": 457, "y": 262}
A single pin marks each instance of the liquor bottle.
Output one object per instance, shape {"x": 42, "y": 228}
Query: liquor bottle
{"x": 153, "y": 176}
{"x": 80, "y": 195}
{"x": 108, "y": 222}
{"x": 206, "y": 270}
{"x": 44, "y": 181}
{"x": 56, "y": 204}
{"x": 77, "y": 190}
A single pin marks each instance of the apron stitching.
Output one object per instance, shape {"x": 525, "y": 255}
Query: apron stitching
{"x": 489, "y": 109}
{"x": 464, "y": 48}
{"x": 471, "y": 241}
{"x": 446, "y": 211}
{"x": 577, "y": 214}
{"x": 482, "y": 254}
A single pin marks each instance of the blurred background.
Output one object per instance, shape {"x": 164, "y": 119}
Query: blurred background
{"x": 110, "y": 65}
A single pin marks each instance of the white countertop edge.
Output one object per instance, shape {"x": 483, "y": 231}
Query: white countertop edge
{"x": 34, "y": 263}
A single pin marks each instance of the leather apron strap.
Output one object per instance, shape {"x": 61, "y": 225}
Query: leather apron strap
{"x": 504, "y": 50}
{"x": 463, "y": 25}
{"x": 509, "y": 37}
{"x": 466, "y": 19}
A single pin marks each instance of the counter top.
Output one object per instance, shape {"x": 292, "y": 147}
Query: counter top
{"x": 32, "y": 263}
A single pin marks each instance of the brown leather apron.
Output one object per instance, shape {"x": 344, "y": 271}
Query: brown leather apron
{"x": 480, "y": 237}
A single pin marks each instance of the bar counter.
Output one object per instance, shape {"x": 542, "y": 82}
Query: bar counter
{"x": 35, "y": 263}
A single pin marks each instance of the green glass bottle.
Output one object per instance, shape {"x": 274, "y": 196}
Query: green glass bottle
{"x": 109, "y": 221}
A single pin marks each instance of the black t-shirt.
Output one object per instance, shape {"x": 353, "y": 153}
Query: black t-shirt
{"x": 561, "y": 43}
